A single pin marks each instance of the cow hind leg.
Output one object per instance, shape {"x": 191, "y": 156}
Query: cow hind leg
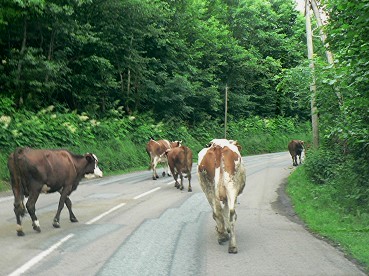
{"x": 232, "y": 247}
{"x": 19, "y": 211}
{"x": 166, "y": 166}
{"x": 31, "y": 202}
{"x": 154, "y": 173}
{"x": 189, "y": 182}
{"x": 176, "y": 183}
{"x": 219, "y": 219}
{"x": 181, "y": 186}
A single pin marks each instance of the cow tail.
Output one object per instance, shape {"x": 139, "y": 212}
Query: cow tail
{"x": 185, "y": 151}
{"x": 17, "y": 185}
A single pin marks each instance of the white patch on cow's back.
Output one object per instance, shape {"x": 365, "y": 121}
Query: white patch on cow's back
{"x": 226, "y": 143}
{"x": 220, "y": 142}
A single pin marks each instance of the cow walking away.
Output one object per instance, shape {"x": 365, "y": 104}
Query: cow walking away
{"x": 296, "y": 147}
{"x": 33, "y": 171}
{"x": 180, "y": 162}
{"x": 222, "y": 177}
{"x": 156, "y": 151}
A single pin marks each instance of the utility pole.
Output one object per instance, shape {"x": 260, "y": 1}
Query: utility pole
{"x": 323, "y": 38}
{"x": 225, "y": 111}
{"x": 314, "y": 109}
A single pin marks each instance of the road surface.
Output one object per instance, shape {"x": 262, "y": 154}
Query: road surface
{"x": 133, "y": 225}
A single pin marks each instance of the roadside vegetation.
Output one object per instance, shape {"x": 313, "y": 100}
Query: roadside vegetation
{"x": 326, "y": 211}
{"x": 119, "y": 141}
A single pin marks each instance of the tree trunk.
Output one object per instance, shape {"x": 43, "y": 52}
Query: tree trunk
{"x": 129, "y": 81}
{"x": 20, "y": 88}
{"x": 323, "y": 38}
{"x": 314, "y": 109}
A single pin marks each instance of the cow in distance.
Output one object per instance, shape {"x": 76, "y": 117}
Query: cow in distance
{"x": 156, "y": 151}
{"x": 180, "y": 163}
{"x": 296, "y": 147}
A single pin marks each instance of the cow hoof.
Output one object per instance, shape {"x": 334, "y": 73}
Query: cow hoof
{"x": 163, "y": 174}
{"x": 154, "y": 178}
{"x": 232, "y": 250}
{"x": 37, "y": 228}
{"x": 181, "y": 188}
{"x": 56, "y": 224}
{"x": 189, "y": 190}
{"x": 20, "y": 233}
{"x": 74, "y": 219}
{"x": 223, "y": 238}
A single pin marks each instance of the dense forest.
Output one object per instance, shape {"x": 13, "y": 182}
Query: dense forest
{"x": 117, "y": 72}
{"x": 173, "y": 58}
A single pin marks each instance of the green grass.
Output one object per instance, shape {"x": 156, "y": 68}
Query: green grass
{"x": 315, "y": 206}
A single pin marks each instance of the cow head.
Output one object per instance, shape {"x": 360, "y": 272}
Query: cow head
{"x": 92, "y": 159}
{"x": 224, "y": 142}
{"x": 175, "y": 144}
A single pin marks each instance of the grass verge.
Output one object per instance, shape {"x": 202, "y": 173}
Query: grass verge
{"x": 314, "y": 204}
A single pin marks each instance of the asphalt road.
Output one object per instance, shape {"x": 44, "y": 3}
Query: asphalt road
{"x": 133, "y": 225}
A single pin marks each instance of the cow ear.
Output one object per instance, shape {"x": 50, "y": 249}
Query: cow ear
{"x": 238, "y": 146}
{"x": 89, "y": 157}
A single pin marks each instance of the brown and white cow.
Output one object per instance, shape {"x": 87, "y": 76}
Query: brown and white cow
{"x": 222, "y": 177}
{"x": 33, "y": 171}
{"x": 156, "y": 151}
{"x": 296, "y": 147}
{"x": 180, "y": 162}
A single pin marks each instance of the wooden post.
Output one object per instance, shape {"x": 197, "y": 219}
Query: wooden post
{"x": 323, "y": 38}
{"x": 225, "y": 111}
{"x": 314, "y": 109}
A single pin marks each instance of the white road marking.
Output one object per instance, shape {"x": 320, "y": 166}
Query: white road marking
{"x": 149, "y": 192}
{"x": 39, "y": 257}
{"x": 171, "y": 183}
{"x": 106, "y": 213}
{"x": 43, "y": 254}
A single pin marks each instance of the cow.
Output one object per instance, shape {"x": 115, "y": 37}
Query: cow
{"x": 156, "y": 151}
{"x": 296, "y": 147}
{"x": 180, "y": 162}
{"x": 222, "y": 177}
{"x": 33, "y": 171}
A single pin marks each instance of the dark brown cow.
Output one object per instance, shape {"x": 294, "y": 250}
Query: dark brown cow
{"x": 296, "y": 147}
{"x": 156, "y": 151}
{"x": 33, "y": 171}
{"x": 222, "y": 177}
{"x": 180, "y": 162}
